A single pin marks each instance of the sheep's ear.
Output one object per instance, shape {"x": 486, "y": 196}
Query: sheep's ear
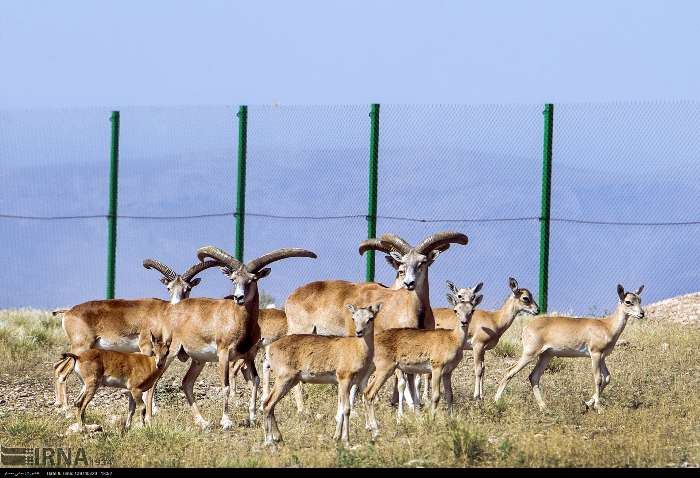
{"x": 396, "y": 256}
{"x": 639, "y": 291}
{"x": 451, "y": 286}
{"x": 433, "y": 255}
{"x": 478, "y": 287}
{"x": 375, "y": 308}
{"x": 620, "y": 292}
{"x": 194, "y": 282}
{"x": 153, "y": 337}
{"x": 452, "y": 300}
{"x": 477, "y": 300}
{"x": 164, "y": 280}
{"x": 350, "y": 307}
{"x": 262, "y": 273}
{"x": 513, "y": 284}
{"x": 392, "y": 262}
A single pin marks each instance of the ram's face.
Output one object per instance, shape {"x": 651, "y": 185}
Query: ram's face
{"x": 180, "y": 289}
{"x": 411, "y": 267}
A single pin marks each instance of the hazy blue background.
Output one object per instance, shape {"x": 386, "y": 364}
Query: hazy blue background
{"x": 64, "y": 67}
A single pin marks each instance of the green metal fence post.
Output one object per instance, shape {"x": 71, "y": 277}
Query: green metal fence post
{"x": 546, "y": 197}
{"x": 373, "y": 173}
{"x": 112, "y": 218}
{"x": 240, "y": 188}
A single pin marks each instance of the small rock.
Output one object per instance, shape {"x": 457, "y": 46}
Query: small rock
{"x": 117, "y": 421}
{"x": 664, "y": 347}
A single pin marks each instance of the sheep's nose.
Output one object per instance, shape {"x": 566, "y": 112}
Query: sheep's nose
{"x": 410, "y": 285}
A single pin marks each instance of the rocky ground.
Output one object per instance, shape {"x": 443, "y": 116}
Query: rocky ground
{"x": 684, "y": 309}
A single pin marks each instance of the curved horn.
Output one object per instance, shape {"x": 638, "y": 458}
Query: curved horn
{"x": 219, "y": 255}
{"x": 439, "y": 239}
{"x": 256, "y": 264}
{"x": 160, "y": 267}
{"x": 396, "y": 242}
{"x": 375, "y": 244}
{"x": 197, "y": 268}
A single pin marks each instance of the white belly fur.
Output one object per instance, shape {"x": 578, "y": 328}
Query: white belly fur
{"x": 125, "y": 344}
{"x": 205, "y": 354}
{"x": 318, "y": 378}
{"x": 413, "y": 368}
{"x": 114, "y": 382}
{"x": 581, "y": 351}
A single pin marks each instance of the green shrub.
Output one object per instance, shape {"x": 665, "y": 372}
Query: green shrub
{"x": 466, "y": 443}
{"x": 505, "y": 348}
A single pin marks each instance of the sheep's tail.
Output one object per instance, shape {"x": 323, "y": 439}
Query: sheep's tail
{"x": 58, "y": 312}
{"x": 65, "y": 366}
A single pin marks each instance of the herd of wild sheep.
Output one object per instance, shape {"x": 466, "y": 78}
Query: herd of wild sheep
{"x": 354, "y": 335}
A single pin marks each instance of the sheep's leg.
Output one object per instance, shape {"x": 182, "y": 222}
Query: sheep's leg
{"x": 535, "y": 376}
{"x": 188, "y": 380}
{"x": 373, "y": 388}
{"x": 279, "y": 390}
{"x": 251, "y": 375}
{"x": 598, "y": 382}
{"x": 524, "y": 360}
{"x": 224, "y": 378}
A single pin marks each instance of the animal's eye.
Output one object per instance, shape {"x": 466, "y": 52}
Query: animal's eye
{"x": 526, "y": 299}
{"x": 627, "y": 302}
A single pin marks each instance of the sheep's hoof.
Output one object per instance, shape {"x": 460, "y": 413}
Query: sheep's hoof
{"x": 76, "y": 428}
{"x": 592, "y": 404}
{"x": 246, "y": 423}
{"x": 202, "y": 423}
{"x": 226, "y": 423}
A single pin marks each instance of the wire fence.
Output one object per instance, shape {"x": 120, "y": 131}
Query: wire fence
{"x": 624, "y": 195}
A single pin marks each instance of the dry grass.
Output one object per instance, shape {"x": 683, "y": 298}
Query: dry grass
{"x": 651, "y": 416}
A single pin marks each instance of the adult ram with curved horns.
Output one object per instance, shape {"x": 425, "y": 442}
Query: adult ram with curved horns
{"x": 321, "y": 304}
{"x": 223, "y": 330}
{"x": 124, "y": 325}
{"x": 179, "y": 285}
